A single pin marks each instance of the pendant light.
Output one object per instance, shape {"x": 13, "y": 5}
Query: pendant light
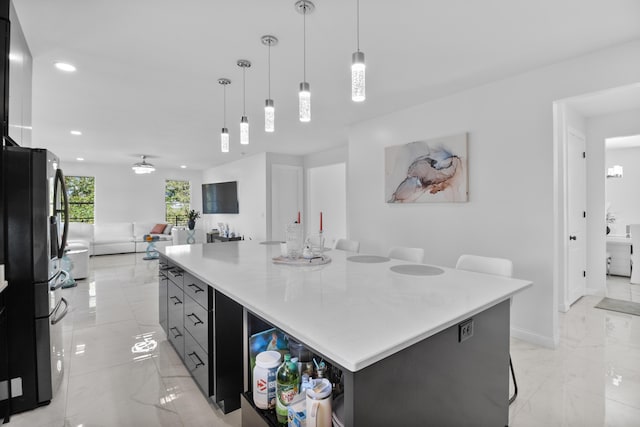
{"x": 224, "y": 135}
{"x": 244, "y": 121}
{"x": 269, "y": 109}
{"x": 357, "y": 65}
{"x": 304, "y": 96}
{"x": 143, "y": 167}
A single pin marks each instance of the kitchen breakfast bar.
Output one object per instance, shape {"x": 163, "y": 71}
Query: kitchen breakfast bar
{"x": 417, "y": 345}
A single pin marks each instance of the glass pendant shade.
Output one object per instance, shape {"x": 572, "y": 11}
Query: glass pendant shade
{"x": 304, "y": 97}
{"x": 357, "y": 77}
{"x": 244, "y": 130}
{"x": 224, "y": 140}
{"x": 269, "y": 116}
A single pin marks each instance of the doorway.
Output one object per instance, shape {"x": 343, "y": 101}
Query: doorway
{"x": 597, "y": 116}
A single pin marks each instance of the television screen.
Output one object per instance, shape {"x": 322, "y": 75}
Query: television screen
{"x": 220, "y": 197}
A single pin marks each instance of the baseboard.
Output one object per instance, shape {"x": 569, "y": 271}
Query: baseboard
{"x": 533, "y": 338}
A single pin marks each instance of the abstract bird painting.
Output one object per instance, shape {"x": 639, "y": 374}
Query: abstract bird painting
{"x": 427, "y": 171}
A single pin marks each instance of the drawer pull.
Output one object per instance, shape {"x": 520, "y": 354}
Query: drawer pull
{"x": 175, "y": 299}
{"x": 198, "y": 321}
{"x": 177, "y": 332}
{"x": 175, "y": 273}
{"x": 199, "y": 362}
{"x": 197, "y": 288}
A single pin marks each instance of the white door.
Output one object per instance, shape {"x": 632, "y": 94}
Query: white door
{"x": 327, "y": 193}
{"x": 576, "y": 221}
{"x": 286, "y": 198}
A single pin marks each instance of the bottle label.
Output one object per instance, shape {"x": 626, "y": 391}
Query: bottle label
{"x": 287, "y": 394}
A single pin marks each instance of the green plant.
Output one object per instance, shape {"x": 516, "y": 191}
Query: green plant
{"x": 192, "y": 214}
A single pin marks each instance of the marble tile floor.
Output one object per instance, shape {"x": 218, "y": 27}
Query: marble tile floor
{"x": 121, "y": 371}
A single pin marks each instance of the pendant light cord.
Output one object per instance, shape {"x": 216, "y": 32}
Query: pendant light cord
{"x": 304, "y": 44}
{"x": 358, "y": 25}
{"x": 224, "y": 106}
{"x": 269, "y": 69}
{"x": 244, "y": 70}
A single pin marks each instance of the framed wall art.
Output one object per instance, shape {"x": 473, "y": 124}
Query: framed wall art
{"x": 433, "y": 170}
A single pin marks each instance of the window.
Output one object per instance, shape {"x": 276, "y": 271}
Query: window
{"x": 177, "y": 197}
{"x": 81, "y": 192}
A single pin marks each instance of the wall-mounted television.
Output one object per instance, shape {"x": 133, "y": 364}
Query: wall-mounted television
{"x": 220, "y": 198}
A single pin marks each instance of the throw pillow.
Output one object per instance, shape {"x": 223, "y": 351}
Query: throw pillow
{"x": 167, "y": 230}
{"x": 158, "y": 229}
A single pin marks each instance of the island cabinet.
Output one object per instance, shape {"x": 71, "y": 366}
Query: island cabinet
{"x": 403, "y": 349}
{"x": 205, "y": 329}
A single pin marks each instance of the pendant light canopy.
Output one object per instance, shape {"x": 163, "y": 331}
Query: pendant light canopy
{"x": 143, "y": 167}
{"x": 224, "y": 135}
{"x": 304, "y": 7}
{"x": 244, "y": 121}
{"x": 357, "y": 65}
{"x": 269, "y": 108}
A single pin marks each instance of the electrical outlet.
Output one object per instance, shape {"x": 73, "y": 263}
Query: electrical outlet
{"x": 465, "y": 330}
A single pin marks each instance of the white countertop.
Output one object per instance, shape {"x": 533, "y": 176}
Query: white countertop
{"x": 3, "y": 285}
{"x": 353, "y": 313}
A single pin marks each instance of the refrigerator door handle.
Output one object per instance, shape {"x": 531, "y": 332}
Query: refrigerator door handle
{"x": 59, "y": 279}
{"x": 64, "y": 312}
{"x": 65, "y": 209}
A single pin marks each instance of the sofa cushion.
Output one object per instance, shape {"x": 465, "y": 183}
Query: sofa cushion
{"x": 167, "y": 229}
{"x": 113, "y": 232}
{"x": 158, "y": 228}
{"x": 80, "y": 231}
{"x": 142, "y": 228}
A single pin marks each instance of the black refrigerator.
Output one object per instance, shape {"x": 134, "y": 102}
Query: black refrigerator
{"x": 36, "y": 213}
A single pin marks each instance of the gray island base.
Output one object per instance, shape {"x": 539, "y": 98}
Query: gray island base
{"x": 418, "y": 363}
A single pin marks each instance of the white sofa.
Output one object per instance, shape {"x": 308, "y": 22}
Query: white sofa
{"x": 116, "y": 237}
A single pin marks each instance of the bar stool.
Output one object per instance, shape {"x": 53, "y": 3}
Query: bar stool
{"x": 499, "y": 267}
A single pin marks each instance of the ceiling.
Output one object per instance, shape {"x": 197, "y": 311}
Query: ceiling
{"x": 147, "y": 70}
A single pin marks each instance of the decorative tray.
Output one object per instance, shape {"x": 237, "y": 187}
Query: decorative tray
{"x": 316, "y": 260}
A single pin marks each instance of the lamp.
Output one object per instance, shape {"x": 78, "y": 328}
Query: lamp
{"x": 304, "y": 95}
{"x": 143, "y": 167}
{"x": 357, "y": 65}
{"x": 244, "y": 121}
{"x": 224, "y": 135}
{"x": 269, "y": 109}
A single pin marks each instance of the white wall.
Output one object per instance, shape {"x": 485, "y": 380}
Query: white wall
{"x": 123, "y": 196}
{"x": 510, "y": 212}
{"x": 251, "y": 173}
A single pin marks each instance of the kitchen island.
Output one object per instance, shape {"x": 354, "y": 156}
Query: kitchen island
{"x": 397, "y": 337}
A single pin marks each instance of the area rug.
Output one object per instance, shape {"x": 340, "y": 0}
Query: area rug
{"x": 620, "y": 306}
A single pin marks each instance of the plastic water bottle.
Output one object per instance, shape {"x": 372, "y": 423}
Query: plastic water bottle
{"x": 286, "y": 387}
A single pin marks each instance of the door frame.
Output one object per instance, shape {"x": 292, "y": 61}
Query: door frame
{"x": 565, "y": 300}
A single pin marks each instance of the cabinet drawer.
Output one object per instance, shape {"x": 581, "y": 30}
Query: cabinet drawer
{"x": 176, "y": 275}
{"x": 163, "y": 313}
{"x": 197, "y": 362}
{"x": 198, "y": 290}
{"x": 175, "y": 321}
{"x": 196, "y": 321}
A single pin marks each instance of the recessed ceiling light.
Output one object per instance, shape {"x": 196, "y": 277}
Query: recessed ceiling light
{"x": 183, "y": 166}
{"x": 65, "y": 67}
{"x": 80, "y": 159}
{"x": 76, "y": 132}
